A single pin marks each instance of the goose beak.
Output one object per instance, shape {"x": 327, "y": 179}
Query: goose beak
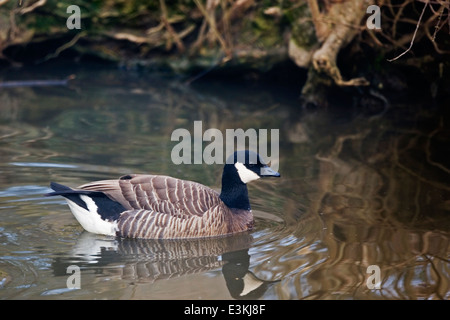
{"x": 268, "y": 172}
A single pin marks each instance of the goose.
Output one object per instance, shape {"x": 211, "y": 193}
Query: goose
{"x": 162, "y": 207}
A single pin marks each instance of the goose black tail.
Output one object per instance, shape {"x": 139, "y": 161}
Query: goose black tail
{"x": 107, "y": 208}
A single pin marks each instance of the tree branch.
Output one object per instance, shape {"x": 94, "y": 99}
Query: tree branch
{"x": 414, "y": 35}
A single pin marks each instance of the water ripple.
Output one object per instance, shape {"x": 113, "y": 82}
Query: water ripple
{"x": 43, "y": 165}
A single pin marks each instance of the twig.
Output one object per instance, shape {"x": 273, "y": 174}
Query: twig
{"x": 397, "y": 17}
{"x": 435, "y": 45}
{"x": 63, "y": 47}
{"x": 414, "y": 35}
{"x": 35, "y": 5}
{"x": 169, "y": 27}
{"x": 436, "y": 27}
{"x": 374, "y": 38}
{"x": 214, "y": 30}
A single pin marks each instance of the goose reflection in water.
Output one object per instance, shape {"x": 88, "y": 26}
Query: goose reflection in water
{"x": 147, "y": 260}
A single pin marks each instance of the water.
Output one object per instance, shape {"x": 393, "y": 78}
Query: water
{"x": 359, "y": 188}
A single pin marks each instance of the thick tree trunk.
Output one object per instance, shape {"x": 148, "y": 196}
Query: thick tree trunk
{"x": 336, "y": 28}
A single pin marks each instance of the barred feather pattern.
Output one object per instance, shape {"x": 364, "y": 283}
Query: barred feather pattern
{"x": 162, "y": 207}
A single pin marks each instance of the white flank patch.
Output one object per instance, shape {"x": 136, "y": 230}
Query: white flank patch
{"x": 245, "y": 174}
{"x": 89, "y": 219}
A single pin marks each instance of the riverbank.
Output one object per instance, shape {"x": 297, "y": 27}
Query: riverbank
{"x": 348, "y": 47}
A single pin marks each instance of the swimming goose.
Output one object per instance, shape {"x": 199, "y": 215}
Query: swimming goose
{"x": 162, "y": 207}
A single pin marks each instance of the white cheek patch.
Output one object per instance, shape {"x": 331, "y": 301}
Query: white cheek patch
{"x": 245, "y": 174}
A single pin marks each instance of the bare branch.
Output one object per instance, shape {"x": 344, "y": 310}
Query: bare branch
{"x": 414, "y": 35}
{"x": 212, "y": 24}
{"x": 35, "y": 5}
{"x": 172, "y": 33}
{"x": 321, "y": 28}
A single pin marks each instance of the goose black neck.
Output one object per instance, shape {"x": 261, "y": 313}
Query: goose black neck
{"x": 234, "y": 192}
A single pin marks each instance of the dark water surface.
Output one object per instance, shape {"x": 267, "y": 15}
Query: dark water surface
{"x": 360, "y": 189}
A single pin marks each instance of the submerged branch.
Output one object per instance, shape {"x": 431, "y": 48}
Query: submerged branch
{"x": 64, "y": 47}
{"x": 36, "y": 83}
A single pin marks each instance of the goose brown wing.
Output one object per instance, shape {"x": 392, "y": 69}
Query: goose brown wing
{"x": 149, "y": 224}
{"x": 160, "y": 194}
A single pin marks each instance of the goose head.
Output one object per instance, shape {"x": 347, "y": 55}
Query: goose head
{"x": 250, "y": 166}
{"x": 241, "y": 168}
